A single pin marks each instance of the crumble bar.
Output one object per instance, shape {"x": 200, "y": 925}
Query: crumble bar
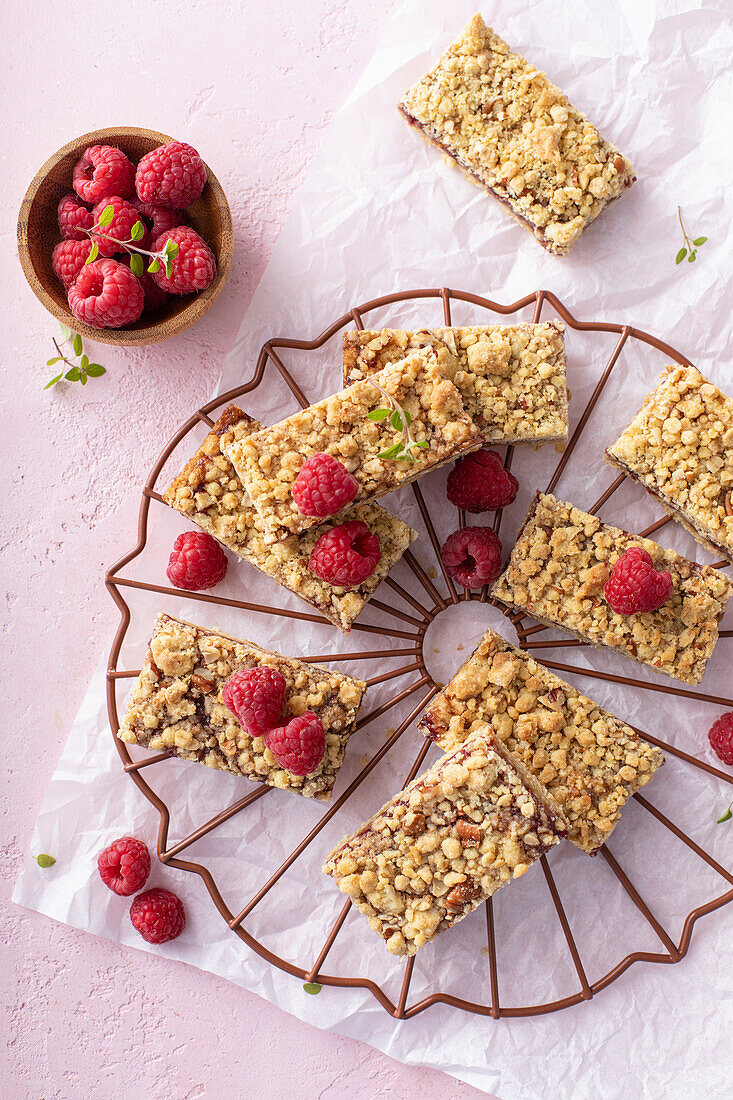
{"x": 209, "y": 492}
{"x": 515, "y": 134}
{"x": 176, "y": 705}
{"x": 589, "y": 760}
{"x": 679, "y": 447}
{"x": 511, "y": 377}
{"x": 558, "y": 568}
{"x": 444, "y": 844}
{"x": 269, "y": 461}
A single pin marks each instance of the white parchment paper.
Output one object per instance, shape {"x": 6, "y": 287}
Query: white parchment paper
{"x": 381, "y": 212}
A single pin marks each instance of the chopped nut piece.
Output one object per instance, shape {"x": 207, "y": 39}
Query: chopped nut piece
{"x": 414, "y": 824}
{"x": 590, "y": 762}
{"x": 468, "y": 833}
{"x": 460, "y": 894}
{"x": 204, "y": 686}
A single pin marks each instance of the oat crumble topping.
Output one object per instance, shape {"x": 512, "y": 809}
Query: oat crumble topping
{"x": 563, "y": 558}
{"x": 444, "y": 844}
{"x": 514, "y": 133}
{"x": 679, "y": 446}
{"x": 269, "y": 461}
{"x": 176, "y": 705}
{"x": 511, "y": 377}
{"x": 589, "y": 760}
{"x": 209, "y": 492}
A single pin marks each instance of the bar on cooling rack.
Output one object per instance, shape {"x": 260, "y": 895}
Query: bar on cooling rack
{"x": 209, "y": 492}
{"x": 511, "y": 377}
{"x": 557, "y": 571}
{"x": 176, "y": 705}
{"x": 589, "y": 760}
{"x": 269, "y": 461}
{"x": 678, "y": 447}
{"x": 515, "y": 134}
{"x": 447, "y": 842}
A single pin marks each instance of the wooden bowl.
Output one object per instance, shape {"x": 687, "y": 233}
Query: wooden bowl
{"x": 38, "y": 233}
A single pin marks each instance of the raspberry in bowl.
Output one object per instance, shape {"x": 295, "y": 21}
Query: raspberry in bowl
{"x": 54, "y": 210}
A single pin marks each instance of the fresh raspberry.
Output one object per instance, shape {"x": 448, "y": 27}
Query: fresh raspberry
{"x": 197, "y": 561}
{"x": 69, "y": 258}
{"x": 299, "y": 746}
{"x": 720, "y": 736}
{"x": 256, "y": 697}
{"x": 473, "y": 556}
{"x": 156, "y": 219}
{"x": 103, "y": 171}
{"x": 106, "y": 295}
{"x": 158, "y": 915}
{"x": 74, "y": 216}
{"x": 171, "y": 175}
{"x": 120, "y": 228}
{"x": 323, "y": 486}
{"x": 346, "y": 555}
{"x": 124, "y": 865}
{"x": 480, "y": 483}
{"x": 193, "y": 266}
{"x": 635, "y": 585}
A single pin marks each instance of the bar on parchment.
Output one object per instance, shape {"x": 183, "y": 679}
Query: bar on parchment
{"x": 209, "y": 492}
{"x": 590, "y": 761}
{"x": 679, "y": 447}
{"x": 447, "y": 842}
{"x": 511, "y": 377}
{"x": 515, "y": 134}
{"x": 269, "y": 461}
{"x": 557, "y": 571}
{"x": 176, "y": 706}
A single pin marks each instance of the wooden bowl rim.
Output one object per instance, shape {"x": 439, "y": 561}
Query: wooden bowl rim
{"x": 157, "y": 330}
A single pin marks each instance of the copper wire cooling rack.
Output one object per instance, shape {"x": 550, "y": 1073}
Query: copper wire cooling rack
{"x": 409, "y": 627}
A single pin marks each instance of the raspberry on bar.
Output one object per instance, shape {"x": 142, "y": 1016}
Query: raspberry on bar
{"x": 511, "y": 377}
{"x": 589, "y": 761}
{"x": 678, "y": 447}
{"x": 447, "y": 842}
{"x": 515, "y": 135}
{"x": 209, "y": 492}
{"x": 177, "y": 705}
{"x": 269, "y": 461}
{"x": 559, "y": 567}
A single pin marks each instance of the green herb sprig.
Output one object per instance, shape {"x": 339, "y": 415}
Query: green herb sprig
{"x": 689, "y": 248}
{"x": 727, "y": 815}
{"x": 78, "y": 371}
{"x": 400, "y": 419}
{"x": 166, "y": 255}
{"x": 44, "y": 860}
{"x": 313, "y": 988}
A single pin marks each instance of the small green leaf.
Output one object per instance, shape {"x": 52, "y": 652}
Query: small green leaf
{"x": 52, "y": 362}
{"x": 168, "y": 269}
{"x": 153, "y": 267}
{"x": 94, "y": 370}
{"x": 727, "y": 815}
{"x": 692, "y": 257}
{"x": 106, "y": 216}
{"x": 53, "y": 381}
{"x": 396, "y": 421}
{"x": 698, "y": 241}
{"x": 421, "y": 443}
{"x": 680, "y": 255}
{"x": 72, "y": 375}
{"x": 65, "y": 332}
{"x": 313, "y": 988}
{"x": 78, "y": 346}
{"x": 391, "y": 452}
{"x": 136, "y": 264}
{"x": 408, "y": 418}
{"x": 83, "y": 378}
{"x": 44, "y": 860}
{"x": 93, "y": 254}
{"x": 171, "y": 249}
{"x": 137, "y": 232}
{"x": 84, "y": 362}
{"x": 378, "y": 414}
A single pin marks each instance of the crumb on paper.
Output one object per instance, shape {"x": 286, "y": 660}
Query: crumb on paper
{"x": 459, "y": 646}
{"x": 432, "y": 572}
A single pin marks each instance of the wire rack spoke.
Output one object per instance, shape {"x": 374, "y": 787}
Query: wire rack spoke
{"x": 390, "y": 632}
{"x": 213, "y": 823}
{"x": 403, "y": 615}
{"x": 681, "y": 835}
{"x": 287, "y": 376}
{"x": 156, "y": 758}
{"x": 409, "y": 558}
{"x": 565, "y": 924}
{"x": 424, "y": 679}
{"x": 393, "y": 675}
{"x": 434, "y": 541}
{"x": 495, "y": 1006}
{"x": 640, "y": 904}
{"x": 663, "y": 688}
{"x": 354, "y": 785}
{"x": 424, "y": 613}
{"x": 673, "y": 751}
{"x": 367, "y": 655}
{"x": 608, "y": 494}
{"x": 654, "y": 527}
{"x": 123, "y": 674}
{"x": 562, "y": 643}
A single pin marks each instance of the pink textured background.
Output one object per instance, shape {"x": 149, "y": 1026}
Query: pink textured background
{"x": 253, "y": 86}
